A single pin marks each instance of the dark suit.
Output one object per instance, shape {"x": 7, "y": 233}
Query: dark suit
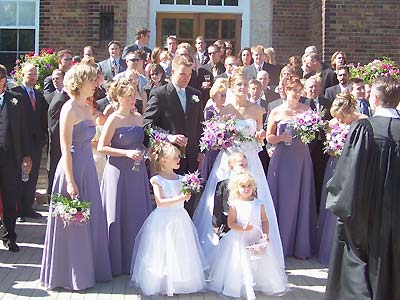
{"x": 164, "y": 110}
{"x": 134, "y": 47}
{"x": 328, "y": 78}
{"x": 105, "y": 67}
{"x": 36, "y": 121}
{"x": 17, "y": 147}
{"x": 54, "y": 153}
{"x": 318, "y": 157}
{"x": 203, "y": 60}
{"x": 204, "y": 70}
{"x": 102, "y": 103}
{"x": 269, "y": 95}
{"x": 48, "y": 86}
{"x": 331, "y": 92}
{"x": 221, "y": 207}
{"x": 273, "y": 70}
{"x": 49, "y": 97}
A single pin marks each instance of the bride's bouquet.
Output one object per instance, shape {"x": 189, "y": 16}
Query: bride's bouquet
{"x": 221, "y": 133}
{"x": 70, "y": 210}
{"x": 191, "y": 183}
{"x": 306, "y": 125}
{"x": 335, "y": 139}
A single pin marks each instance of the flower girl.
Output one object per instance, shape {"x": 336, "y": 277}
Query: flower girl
{"x": 237, "y": 269}
{"x": 167, "y": 257}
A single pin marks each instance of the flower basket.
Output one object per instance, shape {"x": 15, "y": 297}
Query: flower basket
{"x": 256, "y": 250}
{"x": 70, "y": 211}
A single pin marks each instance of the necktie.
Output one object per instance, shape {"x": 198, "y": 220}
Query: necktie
{"x": 364, "y": 107}
{"x": 259, "y": 68}
{"x": 114, "y": 68}
{"x": 33, "y": 101}
{"x": 182, "y": 98}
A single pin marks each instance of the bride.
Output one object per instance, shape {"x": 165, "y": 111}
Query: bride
{"x": 249, "y": 121}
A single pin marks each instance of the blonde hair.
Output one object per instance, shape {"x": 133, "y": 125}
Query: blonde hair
{"x": 120, "y": 88}
{"x": 234, "y": 157}
{"x": 166, "y": 55}
{"x": 180, "y": 60}
{"x": 238, "y": 180}
{"x": 77, "y": 76}
{"x": 162, "y": 150}
{"x": 238, "y": 75}
{"x": 344, "y": 103}
{"x": 220, "y": 85}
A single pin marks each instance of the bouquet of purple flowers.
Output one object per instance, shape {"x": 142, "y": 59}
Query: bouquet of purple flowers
{"x": 156, "y": 135}
{"x": 335, "y": 139}
{"x": 305, "y": 125}
{"x": 191, "y": 183}
{"x": 221, "y": 133}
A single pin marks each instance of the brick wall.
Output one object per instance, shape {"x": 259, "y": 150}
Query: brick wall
{"x": 74, "y": 24}
{"x": 364, "y": 30}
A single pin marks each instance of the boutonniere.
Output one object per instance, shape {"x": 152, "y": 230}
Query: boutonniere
{"x": 195, "y": 98}
{"x": 14, "y": 101}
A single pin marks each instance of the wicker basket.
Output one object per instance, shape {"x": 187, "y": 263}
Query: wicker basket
{"x": 257, "y": 249}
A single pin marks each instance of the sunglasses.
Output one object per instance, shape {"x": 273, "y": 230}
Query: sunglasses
{"x": 134, "y": 59}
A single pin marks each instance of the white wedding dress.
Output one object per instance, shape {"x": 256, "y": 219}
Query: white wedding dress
{"x": 202, "y": 218}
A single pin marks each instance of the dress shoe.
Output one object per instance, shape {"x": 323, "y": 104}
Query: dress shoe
{"x": 11, "y": 246}
{"x": 33, "y": 214}
{"x": 21, "y": 219}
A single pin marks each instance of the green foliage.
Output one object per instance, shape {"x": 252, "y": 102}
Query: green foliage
{"x": 385, "y": 67}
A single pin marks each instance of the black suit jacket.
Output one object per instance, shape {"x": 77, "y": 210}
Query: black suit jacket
{"x": 48, "y": 86}
{"x": 164, "y": 110}
{"x": 102, "y": 103}
{"x": 54, "y": 128}
{"x": 324, "y": 107}
{"x": 206, "y": 58}
{"x": 106, "y": 68}
{"x": 134, "y": 47}
{"x": 273, "y": 70}
{"x": 36, "y": 120}
{"x": 331, "y": 92}
{"x": 17, "y": 127}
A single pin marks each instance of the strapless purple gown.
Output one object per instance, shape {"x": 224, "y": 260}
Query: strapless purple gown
{"x": 126, "y": 198}
{"x": 326, "y": 219}
{"x": 76, "y": 255}
{"x": 291, "y": 181}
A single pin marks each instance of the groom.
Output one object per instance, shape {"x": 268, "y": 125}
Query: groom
{"x": 176, "y": 107}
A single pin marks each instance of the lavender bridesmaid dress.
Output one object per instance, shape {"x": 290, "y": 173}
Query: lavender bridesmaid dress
{"x": 326, "y": 219}
{"x": 126, "y": 198}
{"x": 291, "y": 181}
{"x": 76, "y": 255}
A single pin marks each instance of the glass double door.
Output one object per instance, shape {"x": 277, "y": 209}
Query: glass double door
{"x": 186, "y": 27}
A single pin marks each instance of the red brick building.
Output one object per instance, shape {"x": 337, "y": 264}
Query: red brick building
{"x": 362, "y": 29}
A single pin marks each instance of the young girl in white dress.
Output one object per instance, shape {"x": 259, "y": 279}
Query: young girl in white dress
{"x": 234, "y": 272}
{"x": 167, "y": 257}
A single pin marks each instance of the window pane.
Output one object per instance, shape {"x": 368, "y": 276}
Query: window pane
{"x": 27, "y": 40}
{"x": 168, "y": 27}
{"x": 8, "y": 38}
{"x": 166, "y": 1}
{"x": 231, "y": 2}
{"x": 228, "y": 29}
{"x": 182, "y": 1}
{"x": 199, "y": 2}
{"x": 211, "y": 30}
{"x": 185, "y": 29}
{"x": 27, "y": 13}
{"x": 8, "y": 13}
{"x": 215, "y": 2}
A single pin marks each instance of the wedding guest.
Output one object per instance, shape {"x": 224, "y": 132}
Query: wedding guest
{"x": 167, "y": 257}
{"x": 343, "y": 75}
{"x": 364, "y": 195}
{"x": 201, "y": 56}
{"x": 221, "y": 46}
{"x": 35, "y": 114}
{"x": 344, "y": 114}
{"x": 114, "y": 64}
{"x": 154, "y": 59}
{"x": 228, "y": 48}
{"x": 14, "y": 156}
{"x": 57, "y": 76}
{"x": 291, "y": 166}
{"x": 338, "y": 59}
{"x": 88, "y": 51}
{"x": 64, "y": 59}
{"x": 171, "y": 44}
{"x": 217, "y": 97}
{"x": 63, "y": 265}
{"x": 244, "y": 57}
{"x": 357, "y": 89}
{"x": 156, "y": 78}
{"x": 142, "y": 39}
{"x": 124, "y": 188}
{"x": 268, "y": 94}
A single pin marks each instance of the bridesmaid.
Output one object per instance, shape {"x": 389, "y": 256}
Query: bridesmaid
{"x": 125, "y": 185}
{"x": 217, "y": 97}
{"x": 290, "y": 176}
{"x": 344, "y": 112}
{"x": 76, "y": 255}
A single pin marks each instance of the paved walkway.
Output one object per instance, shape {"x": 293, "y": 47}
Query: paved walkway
{"x": 19, "y": 273}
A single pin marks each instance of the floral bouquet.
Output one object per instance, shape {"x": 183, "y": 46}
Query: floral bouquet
{"x": 306, "y": 124}
{"x": 221, "y": 133}
{"x": 335, "y": 139}
{"x": 385, "y": 67}
{"x": 45, "y": 62}
{"x": 70, "y": 210}
{"x": 156, "y": 135}
{"x": 191, "y": 183}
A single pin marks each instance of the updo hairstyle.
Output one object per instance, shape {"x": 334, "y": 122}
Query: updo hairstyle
{"x": 77, "y": 76}
{"x": 344, "y": 103}
{"x": 162, "y": 150}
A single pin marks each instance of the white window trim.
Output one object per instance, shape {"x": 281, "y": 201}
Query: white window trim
{"x": 243, "y": 9}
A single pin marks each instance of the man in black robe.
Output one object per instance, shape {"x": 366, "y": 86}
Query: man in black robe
{"x": 364, "y": 194}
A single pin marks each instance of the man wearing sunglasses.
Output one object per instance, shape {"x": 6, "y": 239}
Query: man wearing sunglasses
{"x": 133, "y": 61}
